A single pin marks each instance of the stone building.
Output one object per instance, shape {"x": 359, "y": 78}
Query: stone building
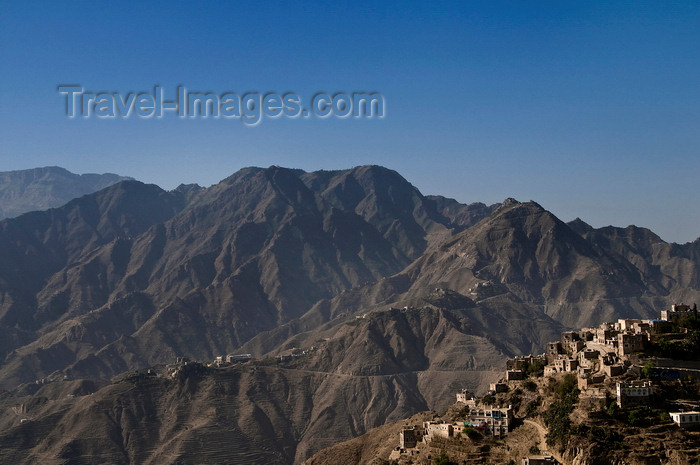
{"x": 613, "y": 370}
{"x": 524, "y": 363}
{"x": 604, "y": 333}
{"x": 495, "y": 388}
{"x": 679, "y": 311}
{"x": 515, "y": 375}
{"x": 561, "y": 365}
{"x": 585, "y": 382}
{"x": 555, "y": 348}
{"x": 466, "y": 397}
{"x": 588, "y": 354}
{"x": 569, "y": 336}
{"x": 434, "y": 429}
{"x": 410, "y": 436}
{"x": 629, "y": 343}
{"x": 626, "y": 324}
{"x": 634, "y": 393}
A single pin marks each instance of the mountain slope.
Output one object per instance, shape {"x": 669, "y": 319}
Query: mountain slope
{"x": 674, "y": 267}
{"x": 530, "y": 253}
{"x": 208, "y": 268}
{"x": 520, "y": 250}
{"x": 355, "y": 377}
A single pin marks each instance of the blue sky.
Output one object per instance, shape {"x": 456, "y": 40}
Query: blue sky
{"x": 590, "y": 108}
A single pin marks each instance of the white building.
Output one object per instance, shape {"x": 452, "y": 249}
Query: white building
{"x": 634, "y": 393}
{"x": 686, "y": 418}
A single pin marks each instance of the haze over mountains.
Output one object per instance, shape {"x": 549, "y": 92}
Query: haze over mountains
{"x": 42, "y": 188}
{"x": 396, "y": 298}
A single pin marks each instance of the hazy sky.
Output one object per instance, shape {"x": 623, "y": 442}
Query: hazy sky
{"x": 590, "y": 108}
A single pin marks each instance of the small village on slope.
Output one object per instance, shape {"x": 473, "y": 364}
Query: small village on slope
{"x": 598, "y": 382}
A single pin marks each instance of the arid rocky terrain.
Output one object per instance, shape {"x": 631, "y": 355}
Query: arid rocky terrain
{"x": 361, "y": 300}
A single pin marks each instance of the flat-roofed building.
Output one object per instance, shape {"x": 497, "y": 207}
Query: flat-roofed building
{"x": 634, "y": 393}
{"x": 685, "y": 419}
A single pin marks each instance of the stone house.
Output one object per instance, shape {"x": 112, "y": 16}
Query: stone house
{"x": 585, "y": 382}
{"x": 613, "y": 370}
{"x": 555, "y": 348}
{"x": 643, "y": 327}
{"x": 608, "y": 358}
{"x": 569, "y": 336}
{"x": 678, "y": 311}
{"x": 626, "y": 324}
{"x": 466, "y": 397}
{"x": 604, "y": 334}
{"x": 498, "y": 387}
{"x": 410, "y": 436}
{"x": 634, "y": 393}
{"x": 629, "y": 343}
{"x": 524, "y": 363}
{"x": 574, "y": 347}
{"x": 561, "y": 365}
{"x": 434, "y": 429}
{"x": 588, "y": 354}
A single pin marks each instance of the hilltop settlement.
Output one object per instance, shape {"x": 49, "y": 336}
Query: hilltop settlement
{"x": 589, "y": 395}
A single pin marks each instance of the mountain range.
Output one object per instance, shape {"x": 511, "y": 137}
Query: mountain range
{"x": 23, "y": 191}
{"x": 362, "y": 300}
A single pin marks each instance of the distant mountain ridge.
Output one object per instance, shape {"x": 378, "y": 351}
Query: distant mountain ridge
{"x": 23, "y": 191}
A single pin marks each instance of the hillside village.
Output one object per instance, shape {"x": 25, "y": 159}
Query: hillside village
{"x": 646, "y": 369}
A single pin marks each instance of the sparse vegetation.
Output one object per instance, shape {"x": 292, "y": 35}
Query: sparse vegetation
{"x": 634, "y": 417}
{"x": 515, "y": 398}
{"x": 443, "y": 459}
{"x": 530, "y": 385}
{"x": 686, "y": 349}
{"x": 268, "y": 361}
{"x": 536, "y": 368}
{"x": 557, "y": 415}
{"x": 567, "y": 388}
{"x": 688, "y": 322}
{"x": 471, "y": 433}
{"x": 533, "y": 407}
{"x": 461, "y": 413}
{"x": 604, "y": 437}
